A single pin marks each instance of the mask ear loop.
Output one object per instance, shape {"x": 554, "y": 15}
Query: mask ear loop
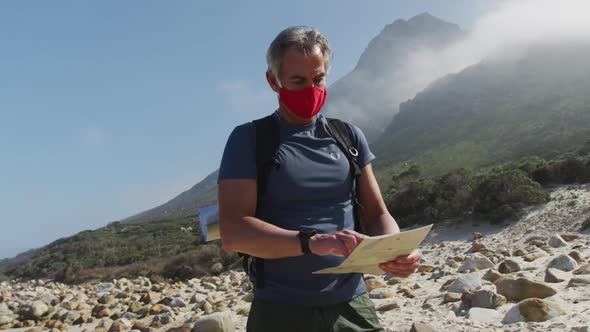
{"x": 278, "y": 81}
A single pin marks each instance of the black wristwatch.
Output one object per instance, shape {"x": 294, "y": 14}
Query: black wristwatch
{"x": 304, "y": 236}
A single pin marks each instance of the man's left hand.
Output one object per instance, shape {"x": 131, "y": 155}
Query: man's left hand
{"x": 402, "y": 266}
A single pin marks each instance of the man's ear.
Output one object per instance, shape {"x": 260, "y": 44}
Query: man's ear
{"x": 272, "y": 81}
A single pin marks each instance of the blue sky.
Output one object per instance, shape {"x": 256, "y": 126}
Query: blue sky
{"x": 108, "y": 108}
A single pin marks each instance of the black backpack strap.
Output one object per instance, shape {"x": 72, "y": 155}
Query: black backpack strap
{"x": 342, "y": 133}
{"x": 267, "y": 144}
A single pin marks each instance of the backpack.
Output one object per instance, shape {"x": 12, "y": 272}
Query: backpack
{"x": 267, "y": 144}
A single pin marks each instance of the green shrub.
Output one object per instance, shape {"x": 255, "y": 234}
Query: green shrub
{"x": 584, "y": 149}
{"x": 429, "y": 201}
{"x": 453, "y": 195}
{"x": 401, "y": 180}
{"x": 567, "y": 171}
{"x": 497, "y": 194}
{"x": 502, "y": 195}
{"x": 412, "y": 204}
{"x": 528, "y": 165}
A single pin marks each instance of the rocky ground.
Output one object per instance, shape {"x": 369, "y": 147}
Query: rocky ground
{"x": 530, "y": 275}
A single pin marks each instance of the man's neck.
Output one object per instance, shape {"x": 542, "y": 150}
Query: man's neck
{"x": 292, "y": 119}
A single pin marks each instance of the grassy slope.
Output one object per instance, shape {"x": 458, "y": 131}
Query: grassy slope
{"x": 492, "y": 112}
{"x": 114, "y": 245}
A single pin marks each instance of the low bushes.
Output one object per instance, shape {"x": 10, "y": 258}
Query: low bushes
{"x": 495, "y": 193}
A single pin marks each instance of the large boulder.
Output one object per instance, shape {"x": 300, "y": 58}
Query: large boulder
{"x": 563, "y": 262}
{"x": 101, "y": 311}
{"x": 523, "y": 288}
{"x": 121, "y": 324}
{"x": 123, "y": 284}
{"x": 217, "y": 322}
{"x": 104, "y": 323}
{"x": 70, "y": 305}
{"x": 577, "y": 256}
{"x": 69, "y": 317}
{"x": 477, "y": 246}
{"x": 482, "y": 299}
{"x": 156, "y": 309}
{"x": 508, "y": 266}
{"x": 150, "y": 298}
{"x": 466, "y": 282}
{"x": 475, "y": 261}
{"x": 569, "y": 237}
{"x": 84, "y": 318}
{"x": 533, "y": 310}
{"x": 555, "y": 275}
{"x": 105, "y": 287}
{"x": 556, "y": 241}
{"x": 163, "y": 319}
{"x": 37, "y": 310}
{"x": 177, "y": 303}
{"x": 492, "y": 275}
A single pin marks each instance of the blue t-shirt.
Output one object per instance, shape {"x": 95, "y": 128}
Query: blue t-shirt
{"x": 310, "y": 189}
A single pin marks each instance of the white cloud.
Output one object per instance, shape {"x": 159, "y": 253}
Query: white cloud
{"x": 506, "y": 31}
{"x": 509, "y": 30}
{"x": 516, "y": 25}
{"x": 245, "y": 96}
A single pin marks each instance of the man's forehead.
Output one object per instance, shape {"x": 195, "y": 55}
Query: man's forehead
{"x": 296, "y": 59}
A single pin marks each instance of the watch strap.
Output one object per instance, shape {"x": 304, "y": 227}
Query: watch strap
{"x": 304, "y": 236}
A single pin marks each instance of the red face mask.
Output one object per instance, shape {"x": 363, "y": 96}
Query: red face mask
{"x": 304, "y": 103}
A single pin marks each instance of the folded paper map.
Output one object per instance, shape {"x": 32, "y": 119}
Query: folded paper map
{"x": 378, "y": 249}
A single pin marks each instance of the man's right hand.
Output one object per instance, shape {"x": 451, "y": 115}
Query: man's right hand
{"x": 340, "y": 243}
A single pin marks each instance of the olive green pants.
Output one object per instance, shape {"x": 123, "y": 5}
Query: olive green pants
{"x": 354, "y": 316}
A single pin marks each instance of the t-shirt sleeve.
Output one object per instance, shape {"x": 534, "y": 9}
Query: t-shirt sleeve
{"x": 239, "y": 155}
{"x": 365, "y": 154}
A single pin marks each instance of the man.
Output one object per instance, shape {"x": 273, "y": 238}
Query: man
{"x": 310, "y": 191}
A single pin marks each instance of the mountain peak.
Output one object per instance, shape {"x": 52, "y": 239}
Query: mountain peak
{"x": 424, "y": 23}
{"x": 386, "y": 59}
{"x": 425, "y": 17}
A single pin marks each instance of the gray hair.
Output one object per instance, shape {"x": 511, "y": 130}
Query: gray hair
{"x": 306, "y": 40}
